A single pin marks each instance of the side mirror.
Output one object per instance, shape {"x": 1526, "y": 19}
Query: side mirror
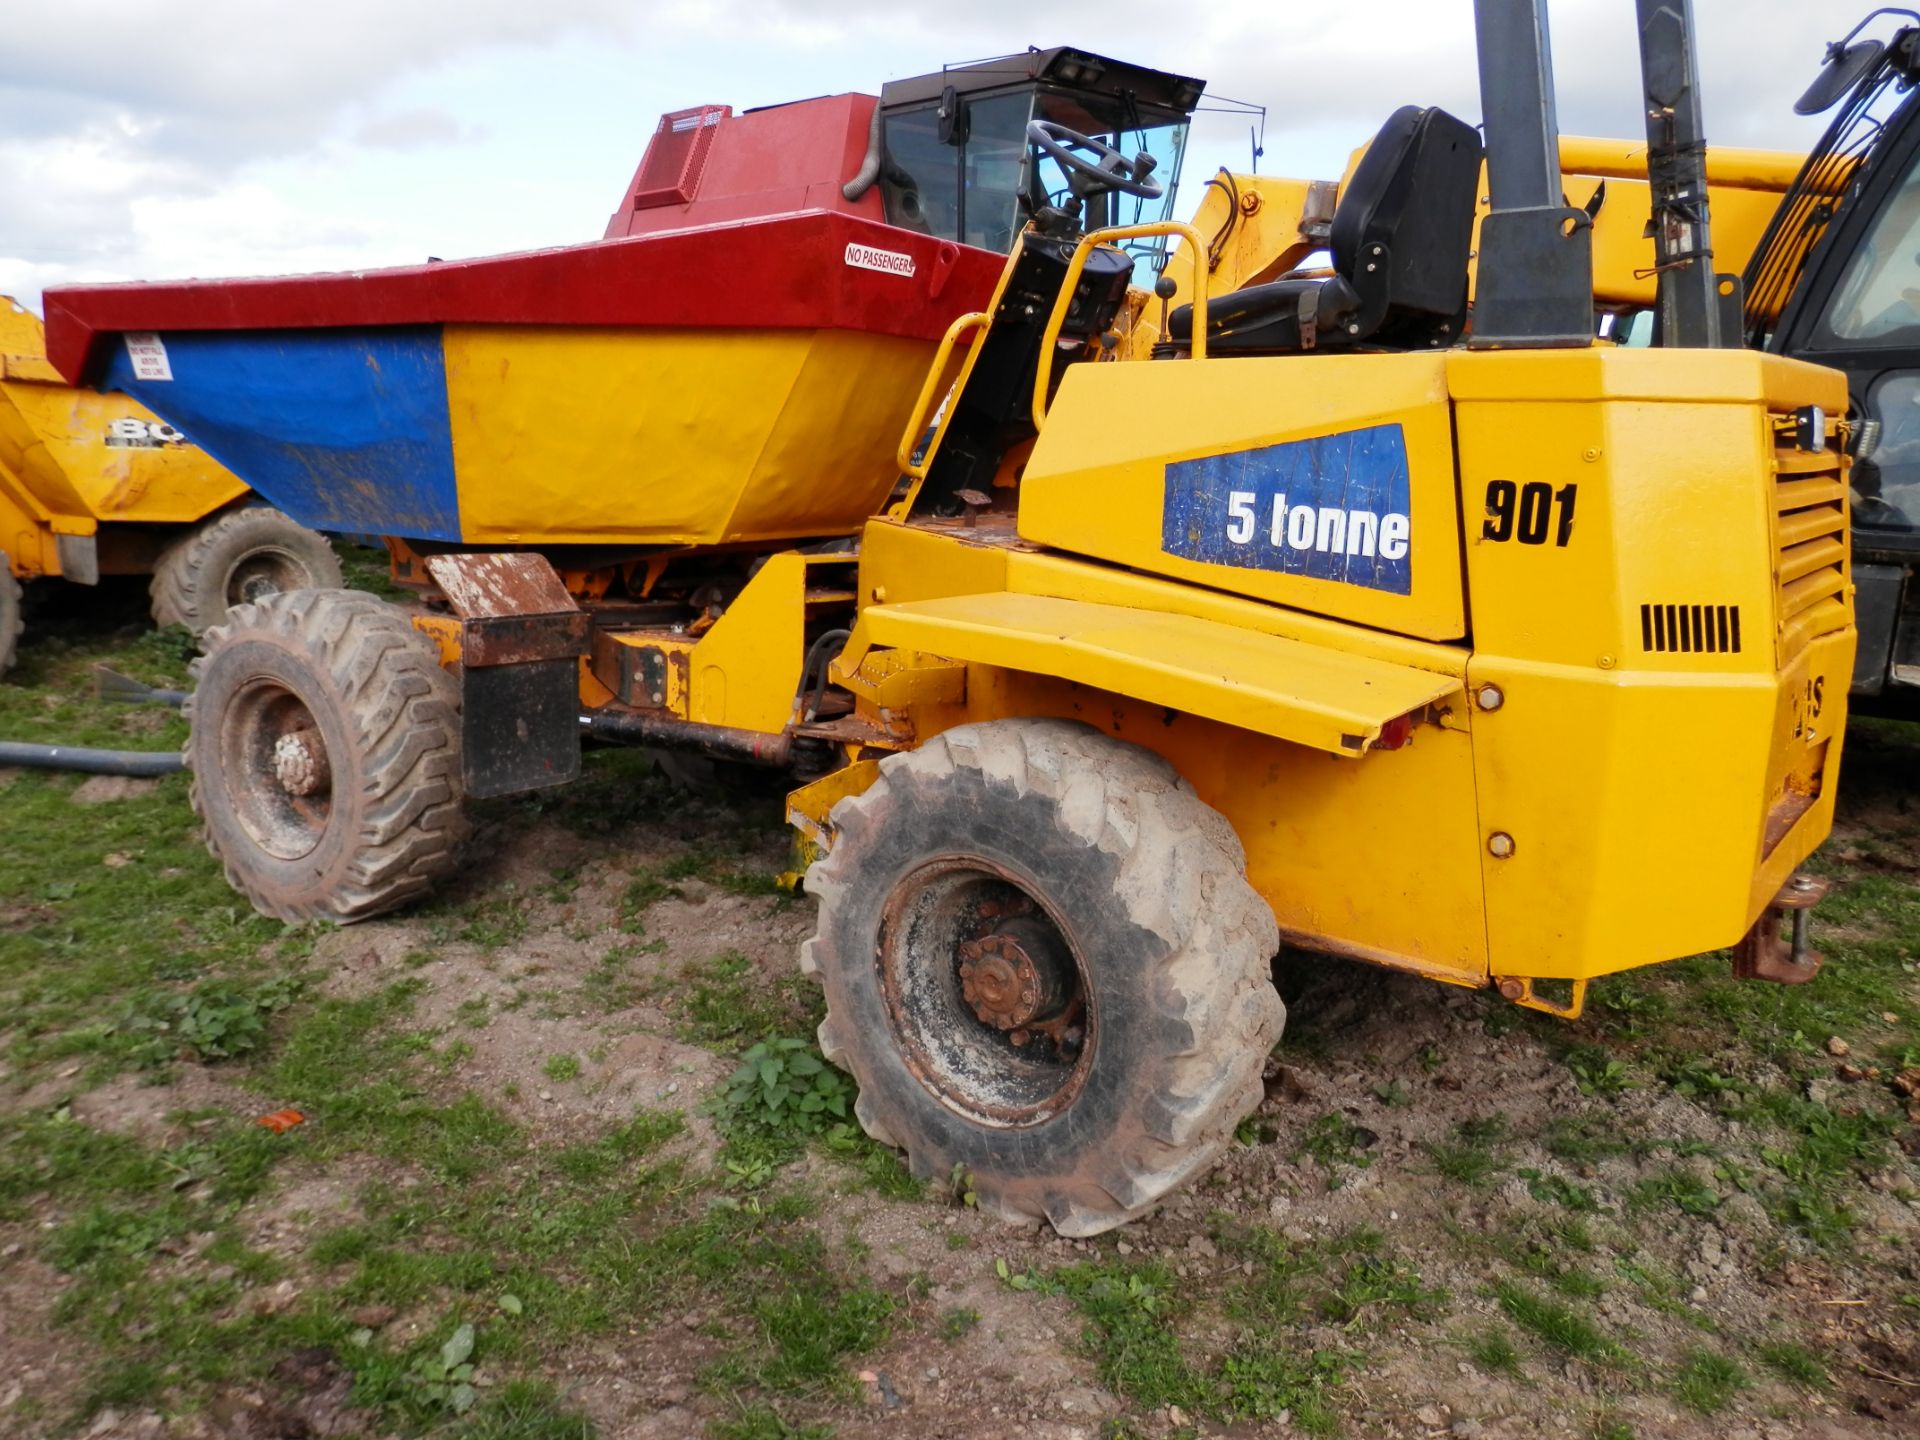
{"x": 952, "y": 118}
{"x": 1840, "y": 71}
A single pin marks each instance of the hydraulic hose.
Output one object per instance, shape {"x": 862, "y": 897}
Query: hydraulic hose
{"x": 92, "y": 762}
{"x": 813, "y": 672}
{"x": 869, "y": 170}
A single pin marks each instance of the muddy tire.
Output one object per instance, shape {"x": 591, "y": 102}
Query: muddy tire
{"x": 325, "y": 751}
{"x": 11, "y": 604}
{"x": 238, "y": 558}
{"x": 1044, "y": 965}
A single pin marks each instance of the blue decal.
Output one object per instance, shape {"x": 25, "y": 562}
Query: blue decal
{"x": 1335, "y": 507}
{"x": 344, "y": 429}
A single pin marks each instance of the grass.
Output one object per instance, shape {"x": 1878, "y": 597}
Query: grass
{"x": 1138, "y": 1315}
{"x": 123, "y": 954}
{"x": 1795, "y": 1363}
{"x": 1492, "y": 1350}
{"x": 1707, "y": 1381}
{"x": 122, "y": 949}
{"x": 484, "y": 1214}
{"x": 1556, "y": 1325}
{"x": 725, "y": 1000}
{"x": 1334, "y": 1141}
{"x": 1471, "y": 1156}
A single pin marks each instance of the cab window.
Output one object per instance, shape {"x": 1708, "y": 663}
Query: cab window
{"x": 981, "y": 191}
{"x": 920, "y": 181}
{"x": 1877, "y": 303}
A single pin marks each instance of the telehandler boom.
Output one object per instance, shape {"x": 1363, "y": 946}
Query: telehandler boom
{"x": 1453, "y": 642}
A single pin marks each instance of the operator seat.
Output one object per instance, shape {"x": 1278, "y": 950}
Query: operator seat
{"x": 1401, "y": 237}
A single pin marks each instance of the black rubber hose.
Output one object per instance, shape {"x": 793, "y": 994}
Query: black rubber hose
{"x": 91, "y": 762}
{"x": 869, "y": 170}
{"x": 814, "y": 670}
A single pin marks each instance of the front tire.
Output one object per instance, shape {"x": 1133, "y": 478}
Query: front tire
{"x": 1044, "y": 965}
{"x": 325, "y": 751}
{"x": 241, "y": 557}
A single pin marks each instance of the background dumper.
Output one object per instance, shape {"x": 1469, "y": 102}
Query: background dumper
{"x": 94, "y": 484}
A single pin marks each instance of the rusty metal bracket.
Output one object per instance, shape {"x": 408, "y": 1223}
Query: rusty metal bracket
{"x": 1764, "y": 954}
{"x": 521, "y": 636}
{"x": 512, "y": 606}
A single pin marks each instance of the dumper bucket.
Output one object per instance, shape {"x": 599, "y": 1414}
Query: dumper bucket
{"x": 737, "y": 384}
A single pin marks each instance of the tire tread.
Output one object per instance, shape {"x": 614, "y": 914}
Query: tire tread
{"x": 404, "y": 712}
{"x": 1181, "y": 875}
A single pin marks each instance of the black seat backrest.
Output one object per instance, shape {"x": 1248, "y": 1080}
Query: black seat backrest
{"x": 1401, "y": 237}
{"x": 1411, "y": 197}
{"x": 1400, "y": 241}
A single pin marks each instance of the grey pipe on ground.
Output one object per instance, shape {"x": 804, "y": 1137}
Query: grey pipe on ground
{"x": 144, "y": 763}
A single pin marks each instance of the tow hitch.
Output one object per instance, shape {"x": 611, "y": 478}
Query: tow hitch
{"x": 1764, "y": 954}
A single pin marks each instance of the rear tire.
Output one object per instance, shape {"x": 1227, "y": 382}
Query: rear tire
{"x": 1044, "y": 966}
{"x": 11, "y": 604}
{"x": 238, "y": 558}
{"x": 325, "y": 751}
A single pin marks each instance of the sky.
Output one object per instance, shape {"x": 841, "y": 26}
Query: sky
{"x": 144, "y": 140}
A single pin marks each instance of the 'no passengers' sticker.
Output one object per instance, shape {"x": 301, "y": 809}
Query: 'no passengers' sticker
{"x": 887, "y": 262}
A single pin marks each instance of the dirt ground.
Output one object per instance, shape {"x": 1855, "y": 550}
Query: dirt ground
{"x": 1449, "y": 1217}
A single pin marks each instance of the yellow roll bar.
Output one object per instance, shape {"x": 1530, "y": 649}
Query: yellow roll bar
{"x": 1043, "y": 375}
{"x": 917, "y": 423}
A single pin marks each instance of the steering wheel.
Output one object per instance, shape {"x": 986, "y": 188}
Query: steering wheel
{"x": 1095, "y": 160}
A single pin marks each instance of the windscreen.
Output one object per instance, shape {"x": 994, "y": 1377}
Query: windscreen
{"x": 982, "y": 190}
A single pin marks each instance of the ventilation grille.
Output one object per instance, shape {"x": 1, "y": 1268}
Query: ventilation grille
{"x": 1690, "y": 629}
{"x": 1810, "y": 537}
{"x": 677, "y": 154}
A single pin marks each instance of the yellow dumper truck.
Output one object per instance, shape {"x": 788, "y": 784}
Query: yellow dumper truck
{"x": 1463, "y": 643}
{"x": 96, "y": 484}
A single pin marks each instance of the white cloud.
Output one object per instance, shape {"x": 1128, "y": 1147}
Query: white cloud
{"x": 227, "y": 136}
{"x": 418, "y": 126}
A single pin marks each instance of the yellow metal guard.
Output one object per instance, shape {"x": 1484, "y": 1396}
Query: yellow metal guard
{"x": 917, "y": 422}
{"x": 1043, "y": 378}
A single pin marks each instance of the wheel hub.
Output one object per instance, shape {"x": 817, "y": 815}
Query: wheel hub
{"x": 1000, "y": 981}
{"x": 985, "y": 992}
{"x": 300, "y": 763}
{"x": 1015, "y": 978}
{"x": 255, "y": 588}
{"x": 263, "y": 574}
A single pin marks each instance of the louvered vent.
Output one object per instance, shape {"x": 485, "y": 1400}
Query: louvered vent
{"x": 1810, "y": 533}
{"x": 670, "y": 170}
{"x": 1690, "y": 629}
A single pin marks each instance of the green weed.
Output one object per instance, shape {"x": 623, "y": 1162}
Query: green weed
{"x": 1682, "y": 1189}
{"x": 1333, "y": 1140}
{"x": 1471, "y": 1157}
{"x": 1554, "y": 1323}
{"x": 956, "y": 1322}
{"x": 783, "y": 1087}
{"x": 215, "y": 1020}
{"x": 1794, "y": 1363}
{"x": 1492, "y": 1351}
{"x": 1707, "y": 1381}
{"x": 1596, "y": 1072}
